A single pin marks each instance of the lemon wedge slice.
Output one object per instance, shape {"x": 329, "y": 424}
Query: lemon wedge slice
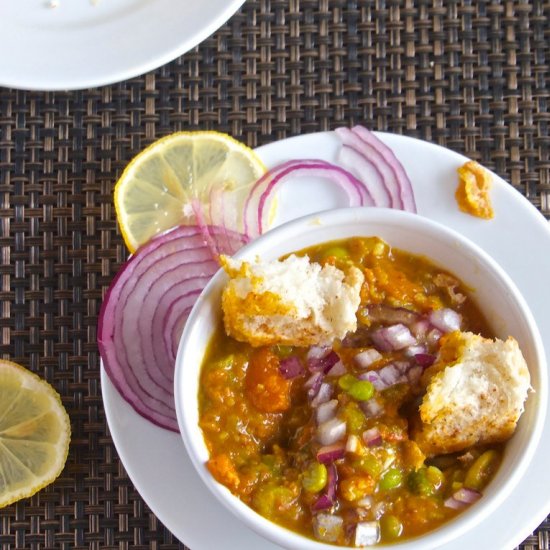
{"x": 156, "y": 190}
{"x": 34, "y": 433}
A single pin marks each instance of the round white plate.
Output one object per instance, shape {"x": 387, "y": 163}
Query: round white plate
{"x": 75, "y": 44}
{"x": 156, "y": 460}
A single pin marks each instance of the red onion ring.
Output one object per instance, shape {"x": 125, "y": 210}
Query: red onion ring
{"x": 144, "y": 312}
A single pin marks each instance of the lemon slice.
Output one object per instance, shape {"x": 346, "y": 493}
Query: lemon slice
{"x": 34, "y": 433}
{"x": 156, "y": 190}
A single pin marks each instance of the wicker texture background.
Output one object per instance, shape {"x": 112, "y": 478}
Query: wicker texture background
{"x": 470, "y": 75}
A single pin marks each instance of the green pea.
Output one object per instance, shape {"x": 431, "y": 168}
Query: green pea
{"x": 391, "y": 479}
{"x": 371, "y": 465}
{"x": 346, "y": 381}
{"x": 362, "y": 390}
{"x": 435, "y": 476}
{"x": 354, "y": 417}
{"x": 482, "y": 470}
{"x": 270, "y": 499}
{"x": 336, "y": 251}
{"x": 390, "y": 527}
{"x": 315, "y": 477}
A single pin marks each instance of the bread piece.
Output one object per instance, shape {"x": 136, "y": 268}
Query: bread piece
{"x": 290, "y": 302}
{"x": 475, "y": 393}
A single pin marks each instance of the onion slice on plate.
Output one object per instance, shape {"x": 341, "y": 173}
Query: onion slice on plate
{"x": 258, "y": 204}
{"x": 144, "y": 312}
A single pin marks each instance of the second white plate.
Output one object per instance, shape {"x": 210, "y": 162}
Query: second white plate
{"x": 75, "y": 44}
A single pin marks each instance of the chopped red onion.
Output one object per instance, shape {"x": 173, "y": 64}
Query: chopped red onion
{"x": 461, "y": 498}
{"x": 332, "y": 481}
{"x": 353, "y": 444}
{"x": 420, "y": 328}
{"x": 330, "y": 453}
{"x": 331, "y": 431}
{"x": 372, "y": 437}
{"x": 291, "y": 367}
{"x": 411, "y": 351}
{"x": 467, "y": 495}
{"x": 425, "y": 360}
{"x": 323, "y": 364}
{"x": 372, "y": 408}
{"x": 327, "y": 527}
{"x": 322, "y": 503}
{"x": 445, "y": 319}
{"x": 337, "y": 370}
{"x": 394, "y": 373}
{"x": 367, "y": 533}
{"x": 317, "y": 352}
{"x": 366, "y": 358}
{"x": 326, "y": 411}
{"x": 323, "y": 395}
{"x": 392, "y": 338}
{"x": 313, "y": 383}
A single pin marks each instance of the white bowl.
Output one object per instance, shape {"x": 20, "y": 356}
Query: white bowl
{"x": 493, "y": 291}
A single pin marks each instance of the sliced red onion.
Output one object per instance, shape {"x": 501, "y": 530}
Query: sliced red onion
{"x": 330, "y": 453}
{"x": 372, "y": 437}
{"x": 322, "y": 503}
{"x": 353, "y": 444}
{"x": 445, "y": 319}
{"x": 323, "y": 364}
{"x": 405, "y": 185}
{"x": 313, "y": 384}
{"x": 323, "y": 395}
{"x": 367, "y": 533}
{"x": 372, "y": 408}
{"x": 326, "y": 411}
{"x": 425, "y": 360}
{"x": 360, "y": 166}
{"x": 337, "y": 370}
{"x": 258, "y": 203}
{"x": 366, "y": 358}
{"x": 387, "y": 315}
{"x": 331, "y": 431}
{"x": 393, "y": 338}
{"x": 291, "y": 367}
{"x": 332, "y": 481}
{"x": 144, "y": 312}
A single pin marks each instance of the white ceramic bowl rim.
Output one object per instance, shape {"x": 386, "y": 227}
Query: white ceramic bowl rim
{"x": 289, "y": 237}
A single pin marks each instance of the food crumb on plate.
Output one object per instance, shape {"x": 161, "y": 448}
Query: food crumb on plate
{"x": 472, "y": 193}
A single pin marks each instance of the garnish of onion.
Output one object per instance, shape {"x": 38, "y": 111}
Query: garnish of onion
{"x": 144, "y": 312}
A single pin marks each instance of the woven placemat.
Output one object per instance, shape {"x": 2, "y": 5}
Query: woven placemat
{"x": 469, "y": 75}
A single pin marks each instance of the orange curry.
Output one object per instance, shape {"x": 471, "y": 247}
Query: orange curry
{"x": 317, "y": 440}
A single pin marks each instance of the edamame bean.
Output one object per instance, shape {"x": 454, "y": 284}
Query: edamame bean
{"x": 338, "y": 252}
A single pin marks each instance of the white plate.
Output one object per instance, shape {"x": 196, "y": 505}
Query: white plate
{"x": 85, "y": 43}
{"x": 156, "y": 460}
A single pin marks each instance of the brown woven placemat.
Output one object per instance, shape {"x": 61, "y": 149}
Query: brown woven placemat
{"x": 470, "y": 75}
